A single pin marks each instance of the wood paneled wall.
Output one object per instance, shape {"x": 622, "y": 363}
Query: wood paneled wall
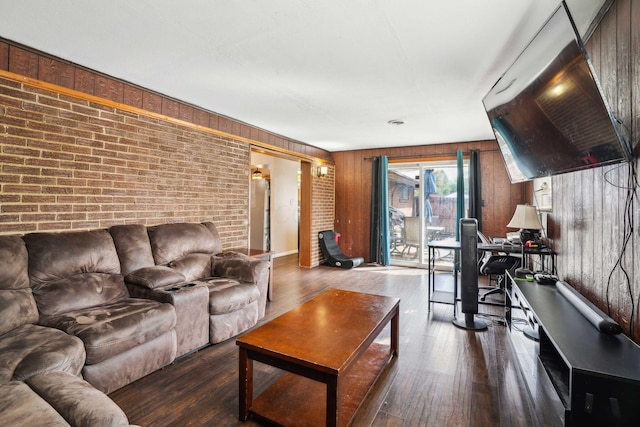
{"x": 353, "y": 189}
{"x": 587, "y": 222}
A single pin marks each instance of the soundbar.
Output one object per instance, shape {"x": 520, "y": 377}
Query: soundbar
{"x": 599, "y": 319}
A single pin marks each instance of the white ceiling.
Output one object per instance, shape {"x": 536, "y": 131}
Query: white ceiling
{"x": 329, "y": 73}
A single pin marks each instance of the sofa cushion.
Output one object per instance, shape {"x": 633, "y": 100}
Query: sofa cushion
{"x": 133, "y": 247}
{"x": 73, "y": 270}
{"x": 17, "y": 306}
{"x": 225, "y": 326}
{"x": 13, "y": 263}
{"x": 113, "y": 328}
{"x": 227, "y": 295}
{"x": 77, "y": 401}
{"x": 31, "y": 349}
{"x": 155, "y": 277}
{"x": 170, "y": 242}
{"x": 79, "y": 292}
{"x": 128, "y": 366}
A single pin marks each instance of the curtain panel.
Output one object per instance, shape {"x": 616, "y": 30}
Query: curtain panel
{"x": 475, "y": 194}
{"x": 379, "y": 248}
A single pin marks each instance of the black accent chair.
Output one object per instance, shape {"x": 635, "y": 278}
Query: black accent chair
{"x": 332, "y": 253}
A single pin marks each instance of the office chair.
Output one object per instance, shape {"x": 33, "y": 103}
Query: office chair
{"x": 494, "y": 264}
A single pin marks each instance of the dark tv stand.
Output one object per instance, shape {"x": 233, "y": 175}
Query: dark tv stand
{"x": 595, "y": 375}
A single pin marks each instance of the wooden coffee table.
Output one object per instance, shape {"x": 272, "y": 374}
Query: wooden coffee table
{"x": 327, "y": 346}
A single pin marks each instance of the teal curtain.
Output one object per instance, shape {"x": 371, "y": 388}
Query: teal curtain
{"x": 460, "y": 193}
{"x": 475, "y": 187}
{"x": 459, "y": 205}
{"x": 379, "y": 248}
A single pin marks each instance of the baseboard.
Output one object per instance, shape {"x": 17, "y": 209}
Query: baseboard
{"x": 280, "y": 254}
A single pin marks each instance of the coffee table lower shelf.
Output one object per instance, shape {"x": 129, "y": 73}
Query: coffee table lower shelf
{"x": 294, "y": 400}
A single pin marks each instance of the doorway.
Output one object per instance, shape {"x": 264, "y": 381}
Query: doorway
{"x": 422, "y": 207}
{"x": 274, "y": 204}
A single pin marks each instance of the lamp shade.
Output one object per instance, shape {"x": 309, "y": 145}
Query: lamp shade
{"x": 525, "y": 217}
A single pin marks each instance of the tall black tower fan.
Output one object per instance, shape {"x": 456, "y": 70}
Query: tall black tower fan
{"x": 469, "y": 276}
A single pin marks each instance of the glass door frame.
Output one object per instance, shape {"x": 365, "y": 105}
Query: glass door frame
{"x": 420, "y": 259}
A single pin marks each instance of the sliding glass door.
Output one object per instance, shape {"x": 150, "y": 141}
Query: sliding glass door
{"x": 422, "y": 207}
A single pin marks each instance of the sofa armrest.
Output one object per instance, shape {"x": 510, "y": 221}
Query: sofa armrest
{"x": 76, "y": 400}
{"x": 234, "y": 265}
{"x": 154, "y": 277}
{"x": 241, "y": 267}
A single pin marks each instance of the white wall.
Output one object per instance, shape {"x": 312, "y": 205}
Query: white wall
{"x": 284, "y": 206}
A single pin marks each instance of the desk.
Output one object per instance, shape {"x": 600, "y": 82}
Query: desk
{"x": 451, "y": 245}
{"x": 441, "y": 297}
{"x": 544, "y": 253}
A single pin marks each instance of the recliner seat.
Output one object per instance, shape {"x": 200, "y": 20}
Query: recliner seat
{"x": 40, "y": 366}
{"x": 216, "y": 295}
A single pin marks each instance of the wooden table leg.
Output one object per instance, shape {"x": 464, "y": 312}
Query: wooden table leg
{"x": 395, "y": 333}
{"x": 430, "y": 269}
{"x": 245, "y": 370}
{"x": 333, "y": 408}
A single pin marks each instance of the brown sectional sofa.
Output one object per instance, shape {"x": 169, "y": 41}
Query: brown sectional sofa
{"x": 84, "y": 313}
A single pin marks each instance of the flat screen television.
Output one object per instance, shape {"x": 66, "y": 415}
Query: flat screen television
{"x": 548, "y": 111}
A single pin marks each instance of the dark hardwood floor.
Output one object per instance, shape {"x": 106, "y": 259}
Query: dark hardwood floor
{"x": 444, "y": 376}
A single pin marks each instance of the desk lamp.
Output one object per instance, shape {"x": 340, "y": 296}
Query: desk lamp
{"x": 526, "y": 219}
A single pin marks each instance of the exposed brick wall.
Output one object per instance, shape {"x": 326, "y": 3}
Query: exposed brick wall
{"x": 67, "y": 163}
{"x": 323, "y": 210}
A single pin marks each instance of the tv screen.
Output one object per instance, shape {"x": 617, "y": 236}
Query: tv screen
{"x": 548, "y": 111}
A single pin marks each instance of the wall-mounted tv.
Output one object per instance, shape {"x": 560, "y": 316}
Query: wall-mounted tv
{"x": 548, "y": 111}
